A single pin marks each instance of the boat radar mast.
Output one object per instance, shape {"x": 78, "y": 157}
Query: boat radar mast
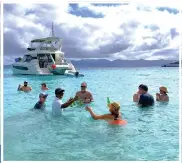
{"x": 52, "y": 31}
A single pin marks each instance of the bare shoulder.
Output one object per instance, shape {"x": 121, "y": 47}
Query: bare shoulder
{"x": 78, "y": 92}
{"x": 107, "y": 116}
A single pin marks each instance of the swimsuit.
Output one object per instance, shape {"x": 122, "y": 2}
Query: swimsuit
{"x": 116, "y": 116}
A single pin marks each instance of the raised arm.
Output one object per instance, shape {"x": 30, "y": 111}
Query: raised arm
{"x": 96, "y": 117}
{"x": 135, "y": 97}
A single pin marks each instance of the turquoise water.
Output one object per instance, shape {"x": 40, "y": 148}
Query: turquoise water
{"x": 151, "y": 133}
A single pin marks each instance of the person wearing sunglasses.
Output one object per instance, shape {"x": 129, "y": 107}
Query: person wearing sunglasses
{"x": 83, "y": 95}
{"x": 58, "y": 105}
{"x": 25, "y": 87}
{"x": 41, "y": 103}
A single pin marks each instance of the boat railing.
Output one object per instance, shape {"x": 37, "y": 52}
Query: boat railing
{"x": 48, "y": 48}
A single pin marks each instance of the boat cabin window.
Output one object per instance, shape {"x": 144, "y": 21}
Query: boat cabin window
{"x": 44, "y": 60}
{"x": 59, "y": 59}
{"x": 49, "y": 58}
{"x": 27, "y": 58}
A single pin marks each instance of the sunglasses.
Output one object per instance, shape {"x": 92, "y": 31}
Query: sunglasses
{"x": 83, "y": 86}
{"x": 43, "y": 96}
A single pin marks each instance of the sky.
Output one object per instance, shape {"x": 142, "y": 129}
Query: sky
{"x": 113, "y": 31}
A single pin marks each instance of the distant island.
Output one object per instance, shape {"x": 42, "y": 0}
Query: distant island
{"x": 120, "y": 63}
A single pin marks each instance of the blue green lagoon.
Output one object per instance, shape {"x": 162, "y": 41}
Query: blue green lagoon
{"x": 151, "y": 133}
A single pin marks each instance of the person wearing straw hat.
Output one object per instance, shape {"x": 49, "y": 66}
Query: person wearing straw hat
{"x": 162, "y": 96}
{"x": 114, "y": 114}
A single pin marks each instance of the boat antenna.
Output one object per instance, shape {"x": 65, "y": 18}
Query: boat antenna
{"x": 52, "y": 32}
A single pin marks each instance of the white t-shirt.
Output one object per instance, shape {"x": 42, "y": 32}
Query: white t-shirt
{"x": 56, "y": 106}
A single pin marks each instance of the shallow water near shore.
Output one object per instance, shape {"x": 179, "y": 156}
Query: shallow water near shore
{"x": 151, "y": 133}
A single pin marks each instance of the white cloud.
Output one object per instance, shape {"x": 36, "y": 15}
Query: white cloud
{"x": 132, "y": 31}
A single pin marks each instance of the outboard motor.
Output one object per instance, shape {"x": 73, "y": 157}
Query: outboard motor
{"x": 76, "y": 74}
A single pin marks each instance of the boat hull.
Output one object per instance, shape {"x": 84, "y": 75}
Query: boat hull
{"x": 34, "y": 69}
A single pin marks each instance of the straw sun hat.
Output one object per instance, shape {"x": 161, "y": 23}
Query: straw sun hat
{"x": 164, "y": 89}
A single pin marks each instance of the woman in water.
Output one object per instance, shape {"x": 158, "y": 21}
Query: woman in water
{"x": 162, "y": 96}
{"x": 114, "y": 114}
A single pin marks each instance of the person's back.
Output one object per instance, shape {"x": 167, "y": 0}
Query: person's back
{"x": 146, "y": 100}
{"x": 41, "y": 103}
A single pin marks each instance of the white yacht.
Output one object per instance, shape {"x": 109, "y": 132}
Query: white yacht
{"x": 173, "y": 64}
{"x": 44, "y": 57}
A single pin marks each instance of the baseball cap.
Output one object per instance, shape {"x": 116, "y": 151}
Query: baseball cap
{"x": 44, "y": 84}
{"x": 59, "y": 91}
{"x": 43, "y": 94}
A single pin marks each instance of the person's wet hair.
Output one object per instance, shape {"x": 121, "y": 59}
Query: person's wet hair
{"x": 25, "y": 83}
{"x": 43, "y": 84}
{"x": 59, "y": 91}
{"x": 144, "y": 87}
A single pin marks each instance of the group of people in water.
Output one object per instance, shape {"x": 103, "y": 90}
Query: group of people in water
{"x": 142, "y": 98}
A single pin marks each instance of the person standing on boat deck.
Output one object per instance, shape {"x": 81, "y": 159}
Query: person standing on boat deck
{"x": 145, "y": 99}
{"x": 25, "y": 87}
{"x": 162, "y": 96}
{"x": 58, "y": 105}
{"x": 84, "y": 95}
{"x": 44, "y": 87}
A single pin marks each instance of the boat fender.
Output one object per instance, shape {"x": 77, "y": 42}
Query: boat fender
{"x": 53, "y": 66}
